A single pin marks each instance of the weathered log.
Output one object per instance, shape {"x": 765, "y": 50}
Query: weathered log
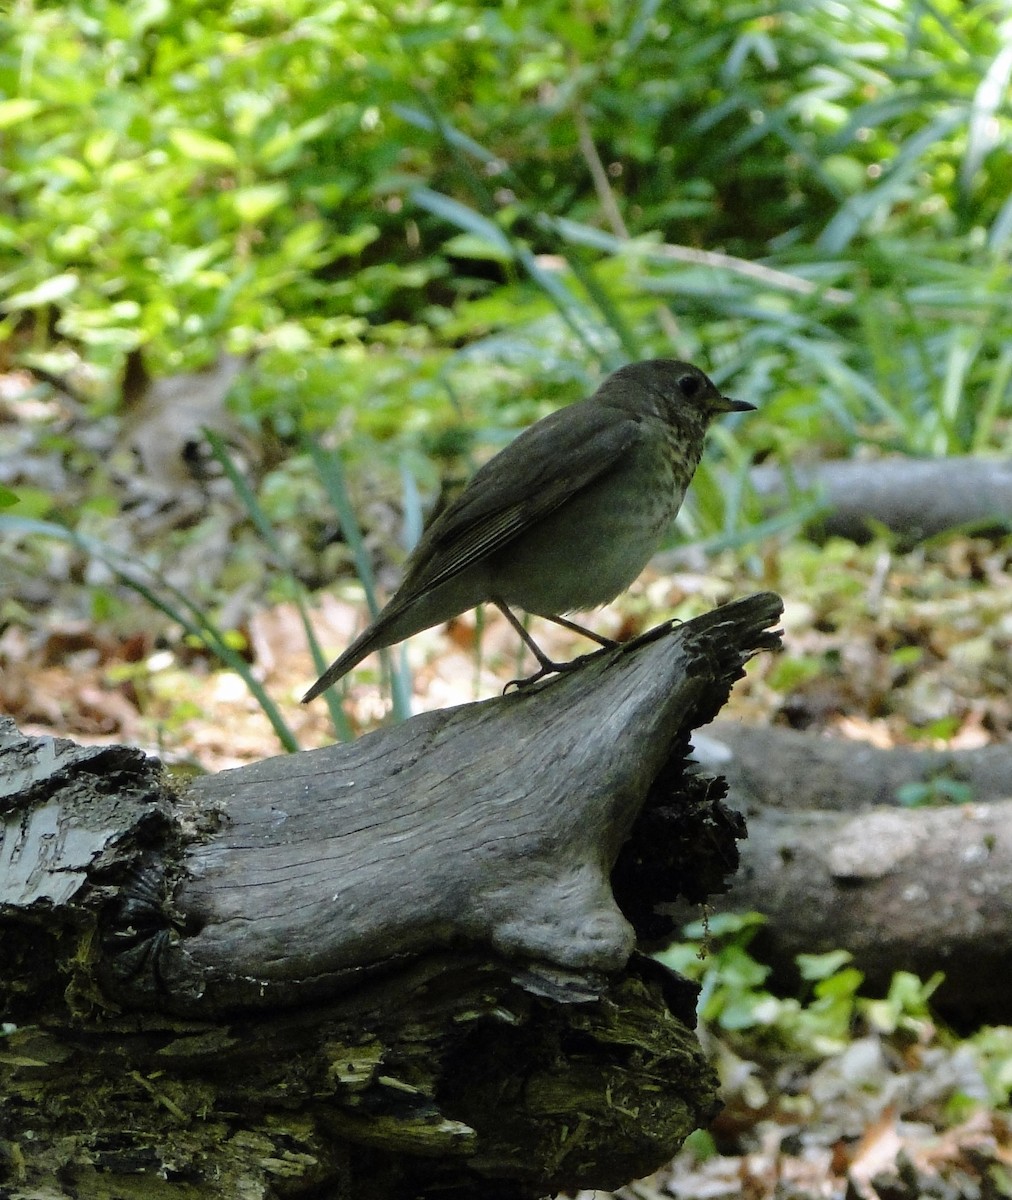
{"x": 791, "y": 770}
{"x": 834, "y": 862}
{"x": 404, "y": 966}
{"x": 920, "y": 890}
{"x": 915, "y": 498}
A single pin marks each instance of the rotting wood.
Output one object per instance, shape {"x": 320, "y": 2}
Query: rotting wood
{"x": 405, "y": 964}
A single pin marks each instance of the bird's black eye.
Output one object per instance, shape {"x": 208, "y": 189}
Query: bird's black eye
{"x": 689, "y": 386}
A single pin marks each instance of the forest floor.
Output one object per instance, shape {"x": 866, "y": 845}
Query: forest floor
{"x": 883, "y": 647}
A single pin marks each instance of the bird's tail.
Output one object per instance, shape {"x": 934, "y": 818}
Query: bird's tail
{"x": 409, "y": 612}
{"x": 373, "y": 638}
{"x": 403, "y": 616}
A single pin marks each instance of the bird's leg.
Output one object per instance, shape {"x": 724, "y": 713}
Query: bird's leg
{"x": 601, "y": 640}
{"x": 548, "y": 667}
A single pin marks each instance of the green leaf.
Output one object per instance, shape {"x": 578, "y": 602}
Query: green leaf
{"x": 464, "y": 218}
{"x": 246, "y": 495}
{"x": 202, "y": 148}
{"x": 857, "y": 211}
{"x": 49, "y": 291}
{"x": 255, "y": 202}
{"x": 821, "y": 966}
{"x": 18, "y": 109}
{"x": 278, "y": 151}
{"x": 30, "y": 502}
{"x": 331, "y": 471}
{"x": 99, "y": 149}
{"x": 840, "y": 984}
{"x": 700, "y": 1145}
{"x": 470, "y": 245}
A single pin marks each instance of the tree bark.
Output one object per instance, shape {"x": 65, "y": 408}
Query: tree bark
{"x": 920, "y": 890}
{"x": 406, "y": 966}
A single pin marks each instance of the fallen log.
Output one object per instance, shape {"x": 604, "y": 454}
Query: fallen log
{"x": 405, "y": 967}
{"x": 791, "y": 770}
{"x": 833, "y": 861}
{"x": 922, "y": 890}
{"x": 914, "y": 497}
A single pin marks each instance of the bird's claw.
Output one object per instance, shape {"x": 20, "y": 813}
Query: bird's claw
{"x": 551, "y": 668}
{"x": 531, "y": 680}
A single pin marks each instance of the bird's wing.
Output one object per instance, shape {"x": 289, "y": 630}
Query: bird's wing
{"x": 538, "y": 471}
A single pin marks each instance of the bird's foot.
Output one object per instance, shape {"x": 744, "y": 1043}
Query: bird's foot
{"x": 551, "y": 668}
{"x": 530, "y": 680}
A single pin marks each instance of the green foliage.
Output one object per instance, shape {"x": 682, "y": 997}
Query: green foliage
{"x": 734, "y": 998}
{"x": 939, "y": 789}
{"x": 183, "y": 170}
{"x": 365, "y": 189}
{"x": 828, "y": 1015}
{"x": 994, "y": 1045}
{"x": 788, "y": 673}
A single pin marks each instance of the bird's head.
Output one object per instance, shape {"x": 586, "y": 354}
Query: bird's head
{"x": 676, "y": 390}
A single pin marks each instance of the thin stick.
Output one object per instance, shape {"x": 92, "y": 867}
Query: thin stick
{"x": 606, "y": 196}
{"x": 687, "y": 254}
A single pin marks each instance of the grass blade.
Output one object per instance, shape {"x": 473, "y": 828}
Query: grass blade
{"x": 180, "y": 609}
{"x": 260, "y": 520}
{"x": 331, "y": 473}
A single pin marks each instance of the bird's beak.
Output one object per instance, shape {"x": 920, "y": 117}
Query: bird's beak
{"x": 726, "y": 404}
